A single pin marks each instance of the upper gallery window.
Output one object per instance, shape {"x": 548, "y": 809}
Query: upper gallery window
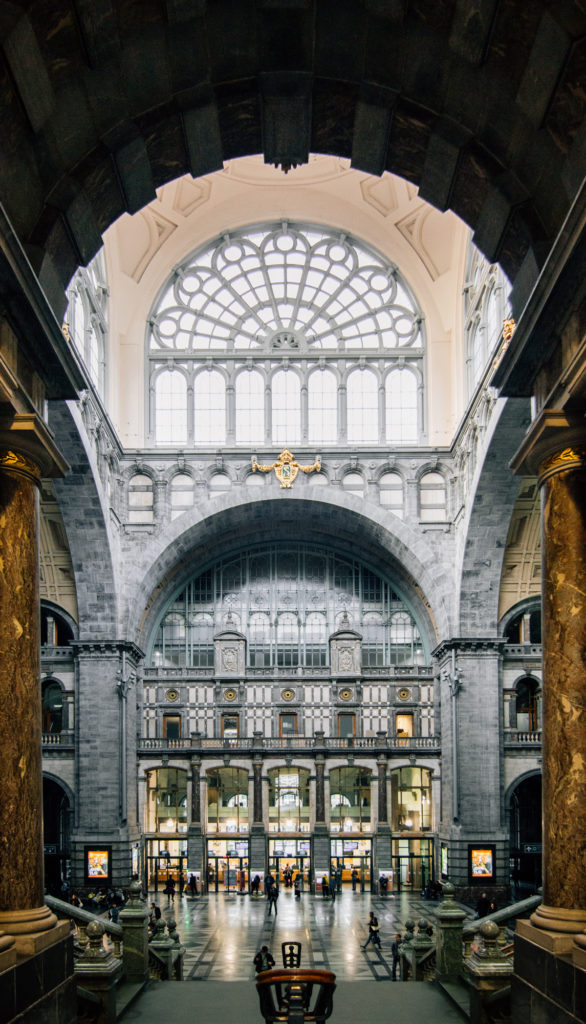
{"x": 86, "y": 318}
{"x": 274, "y": 335}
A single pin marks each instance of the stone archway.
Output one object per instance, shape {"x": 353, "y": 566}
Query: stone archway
{"x": 102, "y": 102}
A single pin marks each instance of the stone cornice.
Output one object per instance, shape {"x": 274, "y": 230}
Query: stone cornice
{"x": 112, "y": 648}
{"x": 469, "y": 645}
{"x": 554, "y": 442}
{"x": 27, "y": 447}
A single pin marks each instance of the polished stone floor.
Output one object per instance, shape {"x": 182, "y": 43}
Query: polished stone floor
{"x": 222, "y": 933}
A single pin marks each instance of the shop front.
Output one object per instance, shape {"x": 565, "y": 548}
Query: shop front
{"x": 227, "y": 865}
{"x": 290, "y": 856}
{"x": 353, "y": 857}
{"x": 413, "y": 864}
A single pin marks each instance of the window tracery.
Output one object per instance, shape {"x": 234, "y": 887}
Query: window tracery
{"x": 285, "y": 312}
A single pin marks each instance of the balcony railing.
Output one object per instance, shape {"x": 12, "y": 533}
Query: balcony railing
{"x": 514, "y": 738}
{"x": 290, "y": 672}
{"x": 389, "y": 744}
{"x": 58, "y": 739}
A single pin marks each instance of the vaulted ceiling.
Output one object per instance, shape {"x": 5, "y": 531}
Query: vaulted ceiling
{"x": 480, "y": 103}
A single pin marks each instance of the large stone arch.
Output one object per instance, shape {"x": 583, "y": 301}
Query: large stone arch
{"x": 488, "y": 523}
{"x": 104, "y": 100}
{"x": 240, "y": 518}
{"x": 86, "y": 524}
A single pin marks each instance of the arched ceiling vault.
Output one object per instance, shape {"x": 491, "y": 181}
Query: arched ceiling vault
{"x": 186, "y": 550}
{"x": 478, "y": 104}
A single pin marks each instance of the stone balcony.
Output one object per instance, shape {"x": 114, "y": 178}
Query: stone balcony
{"x": 516, "y": 740}
{"x": 58, "y": 741}
{"x": 373, "y": 745}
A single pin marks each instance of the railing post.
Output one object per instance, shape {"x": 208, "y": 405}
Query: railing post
{"x": 489, "y": 970}
{"x": 422, "y": 943}
{"x": 178, "y": 950}
{"x": 162, "y": 945}
{"x": 134, "y": 921}
{"x": 98, "y": 971}
{"x": 449, "y": 939}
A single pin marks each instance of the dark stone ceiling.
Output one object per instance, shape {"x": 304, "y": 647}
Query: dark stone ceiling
{"x": 480, "y": 103}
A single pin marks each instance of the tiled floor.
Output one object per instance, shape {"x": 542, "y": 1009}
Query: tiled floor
{"x": 222, "y": 933}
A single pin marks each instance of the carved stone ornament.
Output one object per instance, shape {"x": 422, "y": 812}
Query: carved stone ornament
{"x": 346, "y": 659}
{"x": 230, "y": 659}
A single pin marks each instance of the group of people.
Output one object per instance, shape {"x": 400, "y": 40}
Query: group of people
{"x": 169, "y": 889}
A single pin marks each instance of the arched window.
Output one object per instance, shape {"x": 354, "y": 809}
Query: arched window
{"x": 316, "y": 639}
{"x": 259, "y": 640}
{"x": 286, "y": 408}
{"x": 209, "y": 398}
{"x": 220, "y": 482}
{"x": 354, "y": 484}
{"x": 401, "y": 407}
{"x": 287, "y": 639}
{"x": 181, "y": 494}
{"x": 227, "y": 800}
{"x": 350, "y": 804}
{"x": 411, "y": 799}
{"x": 322, "y": 398}
{"x": 289, "y": 300}
{"x": 250, "y": 407}
{"x": 390, "y": 487}
{"x": 201, "y": 640}
{"x": 477, "y": 357}
{"x": 288, "y": 800}
{"x": 53, "y": 709}
{"x": 362, "y": 405}
{"x": 493, "y": 326}
{"x": 166, "y": 803}
{"x": 288, "y": 599}
{"x": 171, "y": 408}
{"x": 140, "y": 499}
{"x": 432, "y": 498}
{"x": 526, "y": 705}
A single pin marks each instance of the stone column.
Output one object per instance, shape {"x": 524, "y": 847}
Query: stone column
{"x": 563, "y": 482}
{"x": 23, "y": 914}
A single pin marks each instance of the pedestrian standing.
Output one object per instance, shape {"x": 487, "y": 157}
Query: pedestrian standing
{"x": 324, "y": 887}
{"x": 297, "y": 886}
{"x": 396, "y": 954}
{"x": 354, "y": 876}
{"x": 273, "y": 896}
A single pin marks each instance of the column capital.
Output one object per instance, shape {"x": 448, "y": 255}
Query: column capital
{"x": 27, "y": 448}
{"x": 555, "y": 442}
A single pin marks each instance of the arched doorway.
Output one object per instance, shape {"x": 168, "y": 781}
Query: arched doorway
{"x": 56, "y": 829}
{"x": 525, "y": 836}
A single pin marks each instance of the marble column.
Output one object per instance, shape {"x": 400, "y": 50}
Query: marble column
{"x": 383, "y": 814}
{"x": 563, "y": 481}
{"x": 22, "y": 910}
{"x": 257, "y": 792}
{"x": 195, "y": 791}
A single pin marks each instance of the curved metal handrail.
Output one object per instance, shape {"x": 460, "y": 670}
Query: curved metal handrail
{"x": 294, "y": 991}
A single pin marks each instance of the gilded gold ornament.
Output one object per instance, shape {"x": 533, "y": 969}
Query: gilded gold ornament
{"x": 286, "y": 468}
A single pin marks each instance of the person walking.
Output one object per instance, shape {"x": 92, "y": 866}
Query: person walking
{"x": 354, "y": 876}
{"x": 373, "y": 931}
{"x": 264, "y": 960}
{"x": 297, "y": 886}
{"x": 396, "y": 954}
{"x": 273, "y": 896}
{"x": 193, "y": 884}
{"x": 325, "y": 887}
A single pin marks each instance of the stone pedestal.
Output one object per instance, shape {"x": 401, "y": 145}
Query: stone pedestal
{"x": 547, "y": 984}
{"x": 489, "y": 971}
{"x": 134, "y": 921}
{"x": 99, "y": 972}
{"x": 451, "y": 918}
